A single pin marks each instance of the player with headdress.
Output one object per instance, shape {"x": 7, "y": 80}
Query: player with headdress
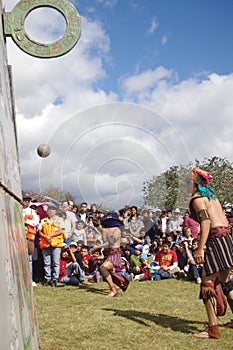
{"x": 215, "y": 249}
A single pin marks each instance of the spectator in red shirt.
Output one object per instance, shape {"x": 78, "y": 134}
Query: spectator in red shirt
{"x": 70, "y": 271}
{"x": 167, "y": 260}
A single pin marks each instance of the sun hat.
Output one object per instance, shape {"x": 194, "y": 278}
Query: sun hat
{"x": 111, "y": 220}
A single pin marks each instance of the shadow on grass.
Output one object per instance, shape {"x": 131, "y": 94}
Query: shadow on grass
{"x": 92, "y": 289}
{"x": 175, "y": 323}
{"x": 88, "y": 288}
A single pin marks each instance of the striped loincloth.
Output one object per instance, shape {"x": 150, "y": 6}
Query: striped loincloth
{"x": 114, "y": 256}
{"x": 219, "y": 252}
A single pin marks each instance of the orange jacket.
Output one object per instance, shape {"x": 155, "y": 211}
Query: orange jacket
{"x": 31, "y": 231}
{"x": 49, "y": 228}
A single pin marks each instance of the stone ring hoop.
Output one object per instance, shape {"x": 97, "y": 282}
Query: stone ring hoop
{"x": 14, "y": 27}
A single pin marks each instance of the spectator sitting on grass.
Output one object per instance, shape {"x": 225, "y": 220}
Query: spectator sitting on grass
{"x": 188, "y": 236}
{"x": 98, "y": 259}
{"x": 88, "y": 262}
{"x": 182, "y": 255}
{"x": 144, "y": 273}
{"x": 153, "y": 249}
{"x": 135, "y": 260}
{"x": 169, "y": 238}
{"x": 195, "y": 270}
{"x": 70, "y": 271}
{"x": 77, "y": 253}
{"x": 168, "y": 262}
{"x": 124, "y": 269}
{"x": 126, "y": 253}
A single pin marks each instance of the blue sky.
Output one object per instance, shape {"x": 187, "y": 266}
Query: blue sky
{"x": 148, "y": 86}
{"x": 188, "y": 36}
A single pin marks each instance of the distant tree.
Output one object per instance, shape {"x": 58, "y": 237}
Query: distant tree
{"x": 52, "y": 192}
{"x": 59, "y": 195}
{"x": 222, "y": 171}
{"x": 155, "y": 192}
{"x": 169, "y": 188}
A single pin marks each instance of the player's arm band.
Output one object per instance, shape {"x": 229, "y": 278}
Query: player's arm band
{"x": 202, "y": 215}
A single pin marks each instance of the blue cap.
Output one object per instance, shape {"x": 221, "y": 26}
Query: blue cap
{"x": 143, "y": 256}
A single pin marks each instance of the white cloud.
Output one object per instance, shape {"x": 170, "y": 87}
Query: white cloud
{"x": 108, "y": 3}
{"x": 118, "y": 143}
{"x": 164, "y": 40}
{"x": 200, "y": 109}
{"x": 42, "y": 81}
{"x": 145, "y": 80}
{"x": 47, "y": 23}
{"x": 154, "y": 25}
{"x": 102, "y": 151}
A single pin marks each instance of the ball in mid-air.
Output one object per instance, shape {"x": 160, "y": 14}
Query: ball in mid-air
{"x": 43, "y": 150}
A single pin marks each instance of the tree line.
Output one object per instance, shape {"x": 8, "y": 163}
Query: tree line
{"x": 169, "y": 189}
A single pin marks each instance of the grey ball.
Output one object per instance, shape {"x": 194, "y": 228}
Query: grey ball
{"x": 43, "y": 150}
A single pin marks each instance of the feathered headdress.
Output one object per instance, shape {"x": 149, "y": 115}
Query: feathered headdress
{"x": 201, "y": 178}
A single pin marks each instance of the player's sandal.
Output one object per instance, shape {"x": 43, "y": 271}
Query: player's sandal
{"x": 210, "y": 332}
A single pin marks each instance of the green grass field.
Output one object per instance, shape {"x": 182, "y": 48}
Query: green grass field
{"x": 149, "y": 315}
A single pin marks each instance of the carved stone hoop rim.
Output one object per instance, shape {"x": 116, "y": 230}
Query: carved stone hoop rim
{"x": 14, "y": 27}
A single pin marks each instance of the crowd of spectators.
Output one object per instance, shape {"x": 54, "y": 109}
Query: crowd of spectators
{"x": 156, "y": 244}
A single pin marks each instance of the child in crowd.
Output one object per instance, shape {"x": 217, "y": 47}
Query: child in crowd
{"x": 160, "y": 243}
{"x": 127, "y": 253}
{"x": 154, "y": 267}
{"x": 92, "y": 232}
{"x": 98, "y": 259}
{"x": 144, "y": 273}
{"x": 153, "y": 249}
{"x": 124, "y": 269}
{"x": 79, "y": 233}
{"x": 87, "y": 261}
{"x": 169, "y": 238}
{"x": 135, "y": 260}
{"x": 188, "y": 236}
